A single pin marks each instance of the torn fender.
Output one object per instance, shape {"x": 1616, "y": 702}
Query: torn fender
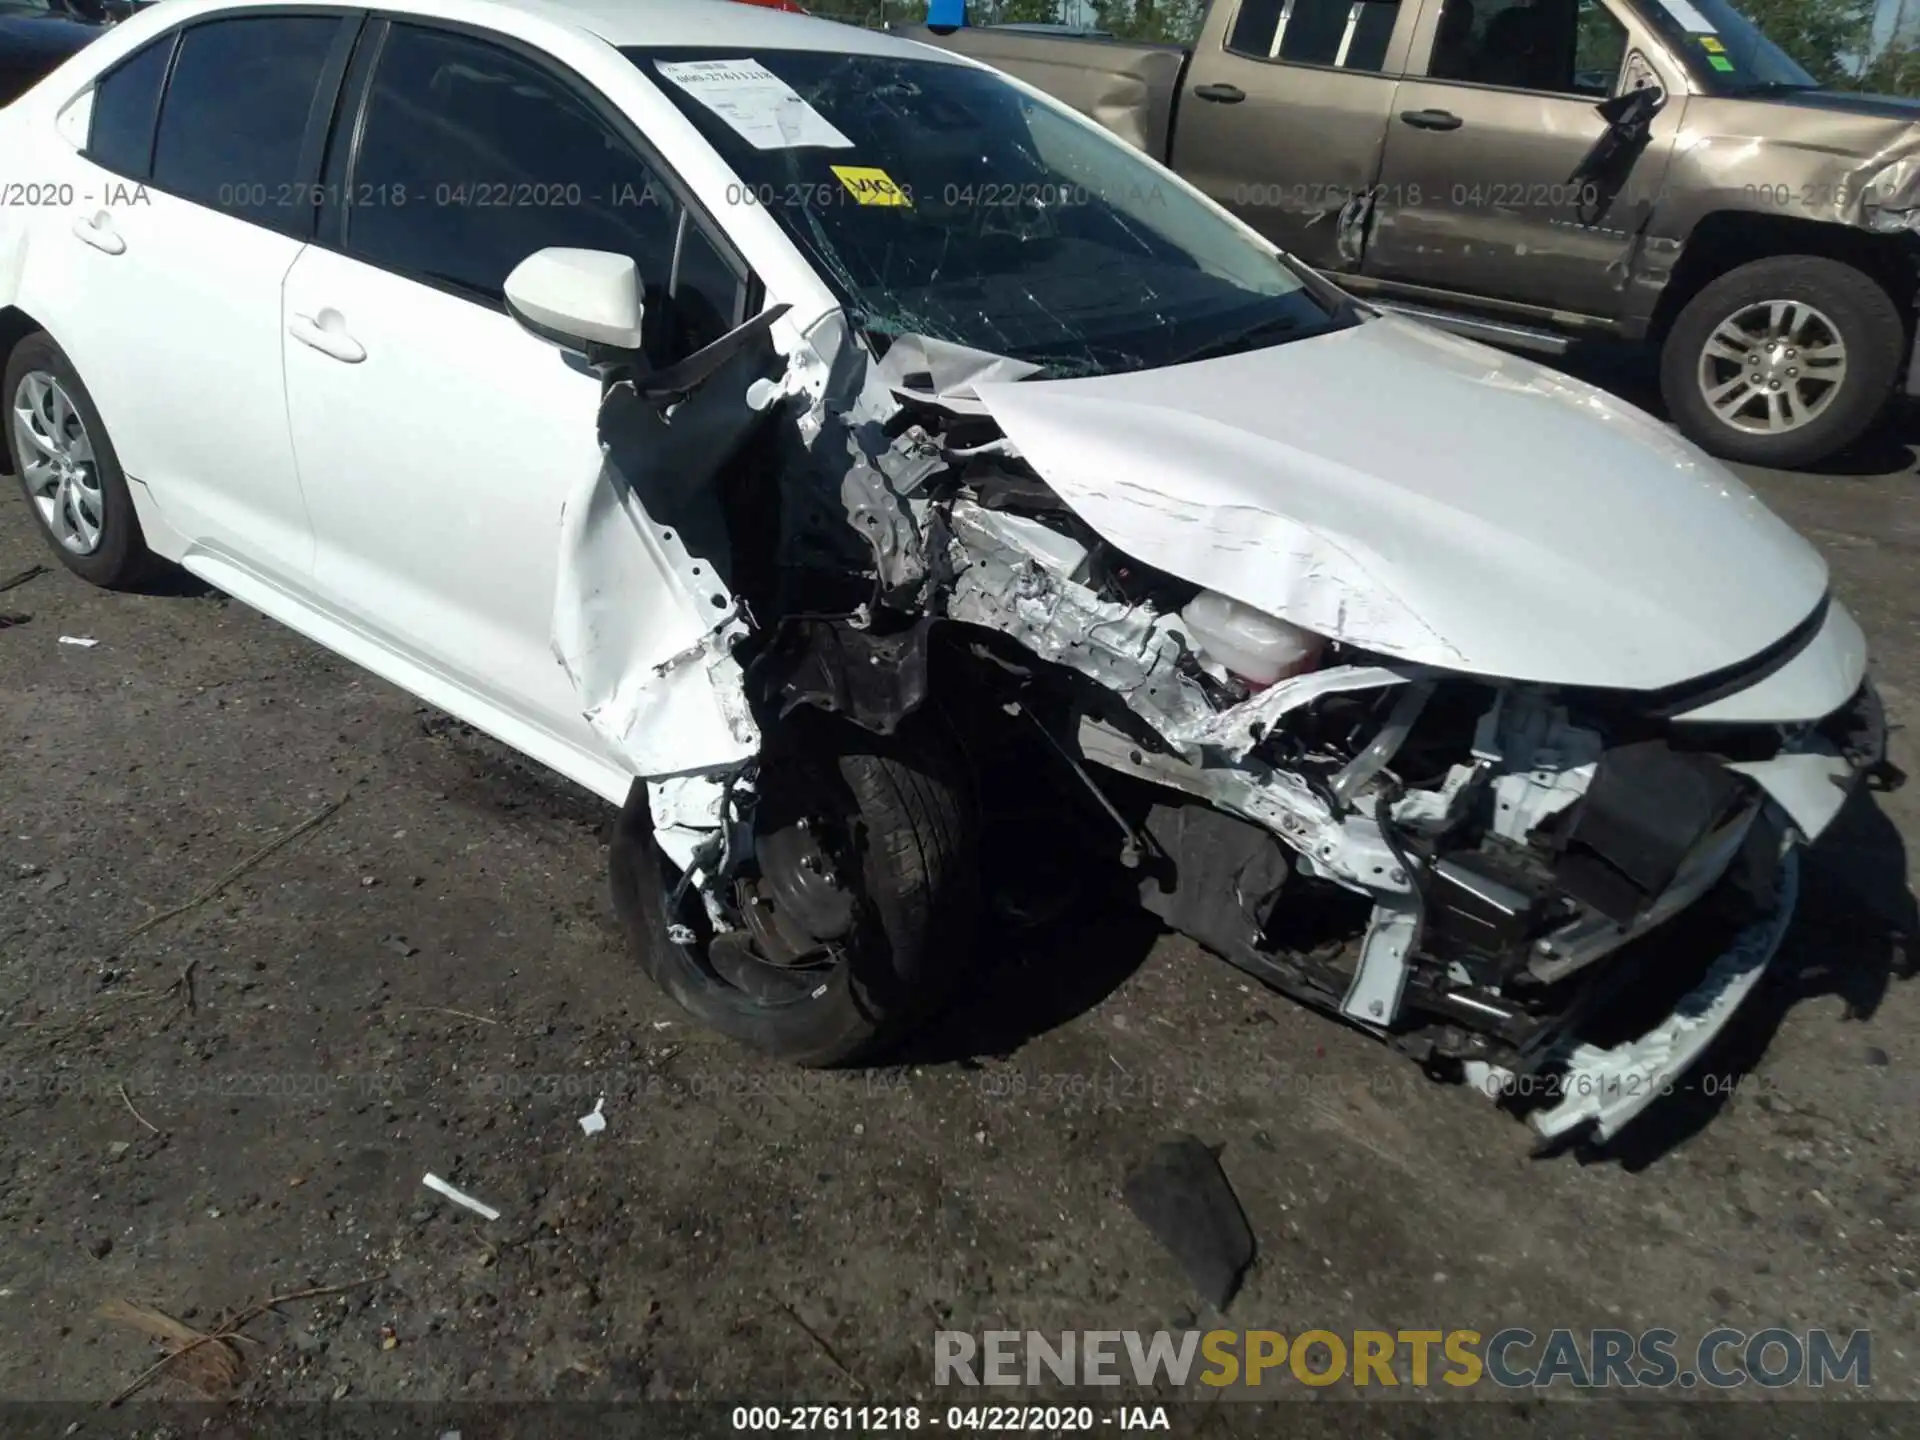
{"x": 644, "y": 617}
{"x": 648, "y": 651}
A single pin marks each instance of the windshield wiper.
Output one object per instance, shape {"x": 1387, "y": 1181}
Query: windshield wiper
{"x": 1227, "y": 344}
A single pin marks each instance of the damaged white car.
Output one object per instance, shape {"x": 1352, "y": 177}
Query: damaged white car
{"x": 875, "y": 478}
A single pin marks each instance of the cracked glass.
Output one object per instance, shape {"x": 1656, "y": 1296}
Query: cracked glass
{"x": 966, "y": 210}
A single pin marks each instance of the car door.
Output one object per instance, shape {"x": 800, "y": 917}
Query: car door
{"x": 1284, "y": 123}
{"x": 193, "y": 198}
{"x": 1475, "y": 192}
{"x": 437, "y": 439}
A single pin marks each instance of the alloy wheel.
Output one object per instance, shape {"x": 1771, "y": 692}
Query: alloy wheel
{"x": 57, "y": 462}
{"x": 1773, "y": 367}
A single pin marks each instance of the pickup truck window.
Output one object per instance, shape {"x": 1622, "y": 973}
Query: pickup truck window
{"x": 1725, "y": 51}
{"x": 937, "y": 199}
{"x": 1345, "y": 34}
{"x": 1561, "y": 47}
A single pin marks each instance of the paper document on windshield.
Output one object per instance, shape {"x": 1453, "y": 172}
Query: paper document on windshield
{"x": 1690, "y": 19}
{"x": 763, "y": 109}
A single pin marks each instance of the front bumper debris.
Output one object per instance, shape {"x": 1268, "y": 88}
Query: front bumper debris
{"x": 1608, "y": 1088}
{"x": 1813, "y": 781}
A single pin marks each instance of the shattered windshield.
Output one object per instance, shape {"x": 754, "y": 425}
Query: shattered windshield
{"x": 937, "y": 199}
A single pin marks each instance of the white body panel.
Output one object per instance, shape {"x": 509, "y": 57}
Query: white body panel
{"x": 434, "y": 430}
{"x": 437, "y": 467}
{"x": 168, "y": 304}
{"x": 1572, "y": 541}
{"x": 1429, "y": 498}
{"x": 1814, "y": 683}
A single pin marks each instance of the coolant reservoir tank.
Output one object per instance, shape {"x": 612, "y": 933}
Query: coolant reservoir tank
{"x": 1254, "y": 645}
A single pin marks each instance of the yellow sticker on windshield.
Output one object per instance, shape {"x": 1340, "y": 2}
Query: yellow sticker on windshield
{"x": 871, "y": 186}
{"x": 1711, "y": 45}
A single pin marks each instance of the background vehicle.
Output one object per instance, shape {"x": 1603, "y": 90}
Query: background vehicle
{"x": 35, "y": 37}
{"x": 1509, "y": 169}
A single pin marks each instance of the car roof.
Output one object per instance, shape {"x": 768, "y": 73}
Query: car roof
{"x": 707, "y": 24}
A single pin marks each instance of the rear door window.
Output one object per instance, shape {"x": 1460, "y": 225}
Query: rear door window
{"x": 126, "y": 101}
{"x": 235, "y": 116}
{"x": 1341, "y": 34}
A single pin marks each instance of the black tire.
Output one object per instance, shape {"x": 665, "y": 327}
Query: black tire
{"x": 120, "y": 559}
{"x": 915, "y": 836}
{"x": 1868, "y": 323}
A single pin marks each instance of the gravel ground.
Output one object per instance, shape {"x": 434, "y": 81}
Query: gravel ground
{"x": 240, "y": 1100}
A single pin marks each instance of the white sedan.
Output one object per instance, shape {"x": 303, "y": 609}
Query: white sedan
{"x": 874, "y": 478}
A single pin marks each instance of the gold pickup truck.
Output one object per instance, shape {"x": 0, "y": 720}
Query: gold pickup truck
{"x": 1541, "y": 172}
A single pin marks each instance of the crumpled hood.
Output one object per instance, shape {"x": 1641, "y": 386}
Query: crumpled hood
{"x": 1429, "y": 498}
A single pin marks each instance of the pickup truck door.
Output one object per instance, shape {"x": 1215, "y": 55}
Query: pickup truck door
{"x": 1126, "y": 86}
{"x": 1282, "y": 116}
{"x": 1495, "y": 116}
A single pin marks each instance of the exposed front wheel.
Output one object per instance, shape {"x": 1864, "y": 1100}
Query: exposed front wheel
{"x": 853, "y": 920}
{"x": 1784, "y": 361}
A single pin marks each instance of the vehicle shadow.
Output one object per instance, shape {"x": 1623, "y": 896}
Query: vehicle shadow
{"x": 1037, "y": 980}
{"x": 1890, "y": 452}
{"x": 1060, "y": 932}
{"x": 170, "y": 582}
{"x": 1852, "y": 938}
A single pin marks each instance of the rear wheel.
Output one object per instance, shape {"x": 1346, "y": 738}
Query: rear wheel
{"x": 854, "y": 919}
{"x": 1783, "y": 361}
{"x": 67, "y": 466}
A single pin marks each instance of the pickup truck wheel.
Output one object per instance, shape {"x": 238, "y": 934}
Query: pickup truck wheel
{"x": 1784, "y": 361}
{"x": 858, "y": 918}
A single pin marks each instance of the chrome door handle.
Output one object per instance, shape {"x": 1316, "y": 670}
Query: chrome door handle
{"x": 327, "y": 333}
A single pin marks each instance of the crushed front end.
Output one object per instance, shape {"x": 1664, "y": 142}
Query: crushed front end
{"x": 1559, "y": 895}
{"x": 1559, "y": 892}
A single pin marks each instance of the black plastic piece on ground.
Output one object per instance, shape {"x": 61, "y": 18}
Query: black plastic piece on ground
{"x": 1182, "y": 1196}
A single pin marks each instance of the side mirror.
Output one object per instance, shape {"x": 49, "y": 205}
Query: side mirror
{"x": 577, "y": 299}
{"x": 1633, "y": 107}
{"x": 1605, "y": 168}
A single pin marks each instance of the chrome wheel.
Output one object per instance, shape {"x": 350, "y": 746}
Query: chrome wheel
{"x": 57, "y": 463}
{"x": 1773, "y": 367}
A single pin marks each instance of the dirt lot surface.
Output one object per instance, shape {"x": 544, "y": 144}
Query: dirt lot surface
{"x": 241, "y": 1100}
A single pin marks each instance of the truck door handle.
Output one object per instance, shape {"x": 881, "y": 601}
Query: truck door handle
{"x": 97, "y": 230}
{"x": 327, "y": 334}
{"x": 1431, "y": 119}
{"x": 1220, "y": 94}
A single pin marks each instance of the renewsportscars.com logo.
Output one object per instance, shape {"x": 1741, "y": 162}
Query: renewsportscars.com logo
{"x": 1509, "y": 1359}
